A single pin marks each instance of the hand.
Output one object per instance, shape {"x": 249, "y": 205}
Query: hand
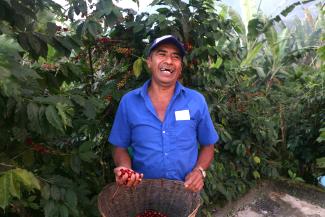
{"x": 126, "y": 176}
{"x": 194, "y": 181}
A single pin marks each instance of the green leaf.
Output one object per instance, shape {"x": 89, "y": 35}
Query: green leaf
{"x": 65, "y": 112}
{"x": 257, "y": 160}
{"x": 137, "y": 67}
{"x": 51, "y": 28}
{"x": 27, "y": 179}
{"x": 89, "y": 110}
{"x": 256, "y": 174}
{"x": 86, "y": 146}
{"x": 260, "y": 72}
{"x": 28, "y": 158}
{"x": 46, "y": 191}
{"x": 251, "y": 55}
{"x": 64, "y": 212}
{"x": 4, "y": 191}
{"x": 240, "y": 149}
{"x": 292, "y": 175}
{"x": 79, "y": 100}
{"x": 71, "y": 198}
{"x": 75, "y": 163}
{"x": 217, "y": 64}
{"x": 10, "y": 88}
{"x": 320, "y": 162}
{"x": 321, "y": 137}
{"x": 35, "y": 44}
{"x": 50, "y": 209}
{"x": 221, "y": 188}
{"x": 85, "y": 152}
{"x": 55, "y": 193}
{"x": 53, "y": 118}
{"x": 14, "y": 185}
{"x": 23, "y": 9}
{"x": 32, "y": 113}
{"x": 94, "y": 28}
{"x": 4, "y": 73}
{"x": 88, "y": 156}
{"x": 290, "y": 8}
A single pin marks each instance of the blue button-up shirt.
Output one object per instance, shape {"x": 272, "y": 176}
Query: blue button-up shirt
{"x": 167, "y": 149}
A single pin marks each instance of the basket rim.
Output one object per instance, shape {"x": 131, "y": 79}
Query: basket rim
{"x": 178, "y": 182}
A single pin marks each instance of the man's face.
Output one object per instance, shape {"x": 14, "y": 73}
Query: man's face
{"x": 165, "y": 64}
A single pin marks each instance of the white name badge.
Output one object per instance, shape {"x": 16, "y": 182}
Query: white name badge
{"x": 182, "y": 115}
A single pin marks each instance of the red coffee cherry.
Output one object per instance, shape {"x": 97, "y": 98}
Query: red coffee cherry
{"x": 151, "y": 213}
{"x": 128, "y": 172}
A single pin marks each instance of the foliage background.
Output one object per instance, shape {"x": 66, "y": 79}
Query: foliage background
{"x": 60, "y": 87}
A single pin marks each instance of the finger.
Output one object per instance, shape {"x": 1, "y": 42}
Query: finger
{"x": 137, "y": 179}
{"x": 194, "y": 181}
{"x": 198, "y": 187}
{"x": 188, "y": 180}
{"x": 130, "y": 180}
{"x": 121, "y": 179}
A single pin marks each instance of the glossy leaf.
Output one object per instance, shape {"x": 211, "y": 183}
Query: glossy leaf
{"x": 251, "y": 55}
{"x": 14, "y": 185}
{"x": 32, "y": 112}
{"x": 137, "y": 67}
{"x": 65, "y": 111}
{"x": 53, "y": 118}
{"x": 71, "y": 198}
{"x": 55, "y": 193}
{"x": 27, "y": 179}
{"x": 4, "y": 191}
{"x": 64, "y": 212}
{"x": 50, "y": 209}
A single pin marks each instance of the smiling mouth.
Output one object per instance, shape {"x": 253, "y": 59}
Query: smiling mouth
{"x": 166, "y": 70}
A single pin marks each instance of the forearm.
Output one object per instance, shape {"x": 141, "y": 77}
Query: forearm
{"x": 121, "y": 157}
{"x": 206, "y": 156}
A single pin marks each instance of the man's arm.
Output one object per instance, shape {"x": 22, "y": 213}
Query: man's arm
{"x": 122, "y": 160}
{"x": 194, "y": 181}
{"x": 121, "y": 157}
{"x": 205, "y": 157}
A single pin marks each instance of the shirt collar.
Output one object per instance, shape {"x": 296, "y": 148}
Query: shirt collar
{"x": 144, "y": 89}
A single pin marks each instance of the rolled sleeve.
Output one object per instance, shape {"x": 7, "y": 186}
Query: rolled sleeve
{"x": 206, "y": 132}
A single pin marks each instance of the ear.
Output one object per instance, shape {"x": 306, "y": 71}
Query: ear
{"x": 148, "y": 61}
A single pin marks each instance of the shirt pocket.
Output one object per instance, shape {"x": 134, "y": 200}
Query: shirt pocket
{"x": 184, "y": 133}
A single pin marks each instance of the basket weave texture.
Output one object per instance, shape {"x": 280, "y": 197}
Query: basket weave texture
{"x": 166, "y": 196}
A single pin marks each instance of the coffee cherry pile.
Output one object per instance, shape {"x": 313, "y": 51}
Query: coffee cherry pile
{"x": 151, "y": 213}
{"x": 126, "y": 171}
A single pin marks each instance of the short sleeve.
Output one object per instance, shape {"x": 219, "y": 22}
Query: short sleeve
{"x": 206, "y": 133}
{"x": 120, "y": 134}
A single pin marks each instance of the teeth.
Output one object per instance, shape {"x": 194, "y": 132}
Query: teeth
{"x": 165, "y": 70}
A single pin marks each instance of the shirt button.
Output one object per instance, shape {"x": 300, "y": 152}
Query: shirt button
{"x": 164, "y": 131}
{"x": 166, "y": 154}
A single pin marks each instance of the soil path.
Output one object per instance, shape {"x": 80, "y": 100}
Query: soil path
{"x": 277, "y": 199}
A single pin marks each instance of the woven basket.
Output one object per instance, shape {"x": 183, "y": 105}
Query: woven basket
{"x": 166, "y": 196}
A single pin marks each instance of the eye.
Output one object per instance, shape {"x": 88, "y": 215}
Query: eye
{"x": 161, "y": 54}
{"x": 176, "y": 56}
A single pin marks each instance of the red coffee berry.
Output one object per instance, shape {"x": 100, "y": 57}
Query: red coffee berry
{"x": 29, "y": 141}
{"x": 151, "y": 213}
{"x": 128, "y": 172}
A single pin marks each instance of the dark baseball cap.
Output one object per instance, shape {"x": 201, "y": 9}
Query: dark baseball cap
{"x": 167, "y": 39}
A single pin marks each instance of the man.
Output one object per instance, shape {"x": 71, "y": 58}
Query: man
{"x": 163, "y": 122}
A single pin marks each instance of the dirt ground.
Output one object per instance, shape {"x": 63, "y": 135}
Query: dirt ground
{"x": 277, "y": 199}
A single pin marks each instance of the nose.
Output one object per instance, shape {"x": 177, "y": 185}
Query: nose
{"x": 168, "y": 59}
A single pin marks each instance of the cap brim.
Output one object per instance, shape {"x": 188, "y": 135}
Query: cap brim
{"x": 171, "y": 40}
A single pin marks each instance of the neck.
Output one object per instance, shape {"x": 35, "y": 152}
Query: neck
{"x": 161, "y": 91}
